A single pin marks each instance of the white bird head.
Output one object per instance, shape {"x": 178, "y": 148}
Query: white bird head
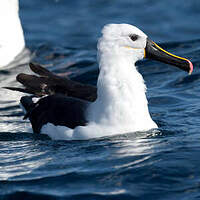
{"x": 125, "y": 39}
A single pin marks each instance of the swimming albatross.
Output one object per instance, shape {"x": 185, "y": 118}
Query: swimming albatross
{"x": 119, "y": 103}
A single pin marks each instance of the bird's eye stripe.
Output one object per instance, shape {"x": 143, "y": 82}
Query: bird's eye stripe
{"x": 133, "y": 37}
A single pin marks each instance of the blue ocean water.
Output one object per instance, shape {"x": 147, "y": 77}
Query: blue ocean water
{"x": 62, "y": 35}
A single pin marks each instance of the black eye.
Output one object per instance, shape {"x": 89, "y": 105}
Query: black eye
{"x": 133, "y": 37}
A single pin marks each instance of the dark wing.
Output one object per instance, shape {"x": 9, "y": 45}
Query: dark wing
{"x": 48, "y": 83}
{"x": 55, "y": 109}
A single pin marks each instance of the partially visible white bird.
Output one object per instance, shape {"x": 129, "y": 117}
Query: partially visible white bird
{"x": 11, "y": 33}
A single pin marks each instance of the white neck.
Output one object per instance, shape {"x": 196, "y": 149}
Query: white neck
{"x": 11, "y": 34}
{"x": 121, "y": 101}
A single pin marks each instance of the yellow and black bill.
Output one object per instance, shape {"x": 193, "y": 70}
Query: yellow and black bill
{"x": 153, "y": 51}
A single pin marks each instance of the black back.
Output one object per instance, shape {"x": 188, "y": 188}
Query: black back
{"x": 56, "y": 109}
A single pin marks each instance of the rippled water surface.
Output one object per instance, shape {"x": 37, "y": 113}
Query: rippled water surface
{"x": 62, "y": 35}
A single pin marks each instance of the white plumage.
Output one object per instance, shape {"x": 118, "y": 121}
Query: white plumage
{"x": 121, "y": 104}
{"x": 11, "y": 34}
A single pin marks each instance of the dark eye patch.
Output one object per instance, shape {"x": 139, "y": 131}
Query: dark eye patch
{"x": 134, "y": 37}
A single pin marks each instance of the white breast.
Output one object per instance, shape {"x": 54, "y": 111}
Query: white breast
{"x": 121, "y": 104}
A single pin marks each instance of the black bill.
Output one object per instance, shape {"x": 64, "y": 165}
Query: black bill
{"x": 153, "y": 51}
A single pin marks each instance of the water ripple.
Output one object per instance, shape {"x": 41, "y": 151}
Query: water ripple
{"x": 159, "y": 164}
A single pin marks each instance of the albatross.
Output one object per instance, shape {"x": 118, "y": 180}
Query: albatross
{"x": 74, "y": 111}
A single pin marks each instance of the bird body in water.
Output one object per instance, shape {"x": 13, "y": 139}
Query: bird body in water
{"x": 119, "y": 104}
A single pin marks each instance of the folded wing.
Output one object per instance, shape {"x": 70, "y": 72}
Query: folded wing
{"x": 48, "y": 83}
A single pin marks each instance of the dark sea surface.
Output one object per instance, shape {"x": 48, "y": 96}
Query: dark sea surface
{"x": 62, "y": 35}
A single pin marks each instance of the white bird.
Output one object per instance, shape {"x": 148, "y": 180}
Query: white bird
{"x": 11, "y": 34}
{"x": 121, "y": 105}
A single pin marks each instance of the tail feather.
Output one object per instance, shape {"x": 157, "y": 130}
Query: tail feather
{"x": 38, "y": 86}
{"x": 40, "y": 70}
{"x": 24, "y": 90}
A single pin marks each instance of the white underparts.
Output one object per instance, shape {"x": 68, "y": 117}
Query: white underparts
{"x": 121, "y": 104}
